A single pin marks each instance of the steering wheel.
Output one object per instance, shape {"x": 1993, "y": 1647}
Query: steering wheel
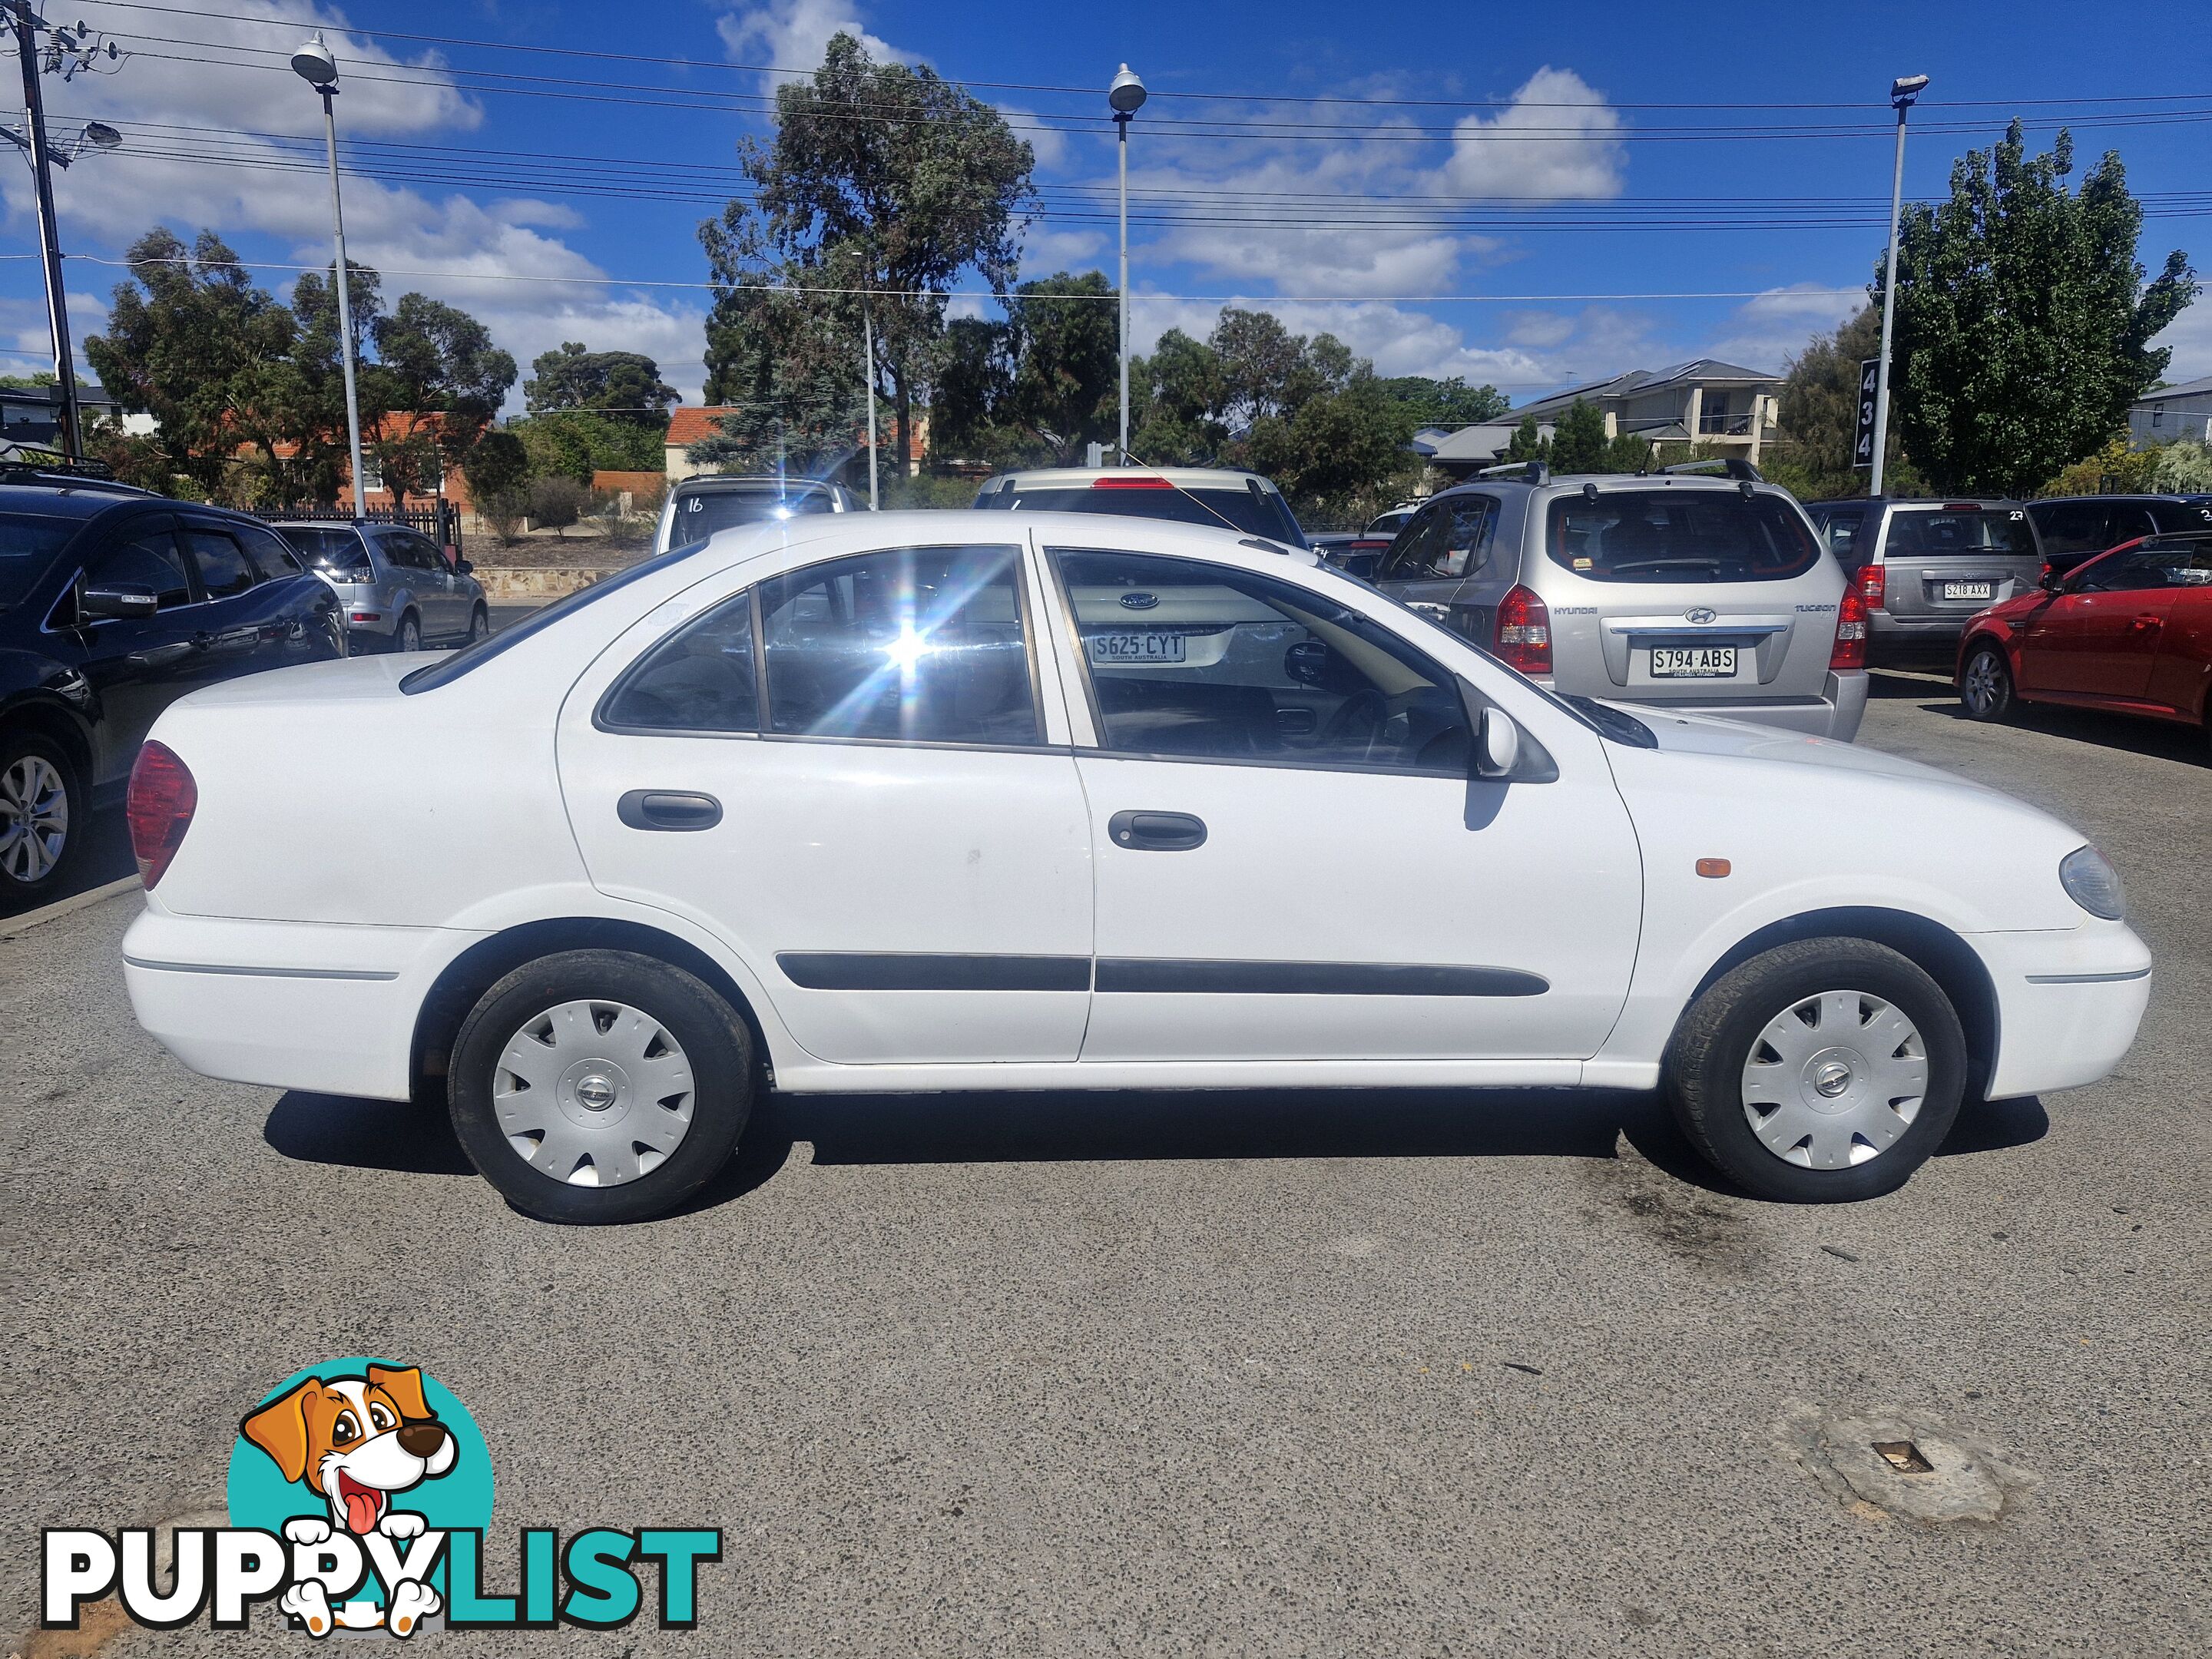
{"x": 1359, "y": 720}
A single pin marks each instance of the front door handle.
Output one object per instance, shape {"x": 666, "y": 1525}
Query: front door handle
{"x": 1157, "y": 832}
{"x": 668, "y": 809}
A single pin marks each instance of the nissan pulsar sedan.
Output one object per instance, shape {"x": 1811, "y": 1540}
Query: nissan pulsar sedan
{"x": 1002, "y": 800}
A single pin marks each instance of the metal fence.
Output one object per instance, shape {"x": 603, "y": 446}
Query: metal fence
{"x": 440, "y": 521}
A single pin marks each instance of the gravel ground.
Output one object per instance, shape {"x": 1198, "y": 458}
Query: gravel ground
{"x": 1197, "y": 1374}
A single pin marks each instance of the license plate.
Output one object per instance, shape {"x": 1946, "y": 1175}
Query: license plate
{"x": 1136, "y": 648}
{"x": 1693, "y": 662}
{"x": 1969, "y": 590}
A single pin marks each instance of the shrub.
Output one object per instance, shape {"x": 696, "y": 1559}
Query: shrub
{"x": 504, "y": 510}
{"x": 2183, "y": 469}
{"x": 556, "y": 503}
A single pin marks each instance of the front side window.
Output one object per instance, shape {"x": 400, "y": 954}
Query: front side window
{"x": 1453, "y": 542}
{"x": 1842, "y": 530}
{"x": 224, "y": 569}
{"x": 146, "y": 557}
{"x": 1673, "y": 535}
{"x": 1193, "y": 660}
{"x": 701, "y": 678}
{"x": 2170, "y": 564}
{"x": 28, "y": 545}
{"x": 918, "y": 644}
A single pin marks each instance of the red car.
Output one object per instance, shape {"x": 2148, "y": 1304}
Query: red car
{"x": 2131, "y": 630}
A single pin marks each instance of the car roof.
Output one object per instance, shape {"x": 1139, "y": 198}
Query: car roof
{"x": 1068, "y": 478}
{"x": 69, "y": 500}
{"x": 972, "y": 526}
{"x": 752, "y": 483}
{"x": 1934, "y": 503}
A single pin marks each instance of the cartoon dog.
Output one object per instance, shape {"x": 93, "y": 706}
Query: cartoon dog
{"x": 353, "y": 1442}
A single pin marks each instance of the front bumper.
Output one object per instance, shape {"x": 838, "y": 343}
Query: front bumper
{"x": 2068, "y": 1003}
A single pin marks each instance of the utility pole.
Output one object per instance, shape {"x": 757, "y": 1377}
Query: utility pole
{"x": 34, "y": 122}
{"x": 314, "y": 65}
{"x": 868, "y": 369}
{"x": 1902, "y": 92}
{"x": 1125, "y": 95}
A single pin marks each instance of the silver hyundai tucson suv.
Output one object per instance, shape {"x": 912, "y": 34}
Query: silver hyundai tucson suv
{"x": 1678, "y": 590}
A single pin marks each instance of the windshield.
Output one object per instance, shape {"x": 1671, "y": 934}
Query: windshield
{"x": 1914, "y": 530}
{"x": 1253, "y": 510}
{"x": 1675, "y": 535}
{"x": 700, "y": 512}
{"x": 28, "y": 545}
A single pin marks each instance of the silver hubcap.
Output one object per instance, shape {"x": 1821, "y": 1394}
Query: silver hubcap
{"x": 594, "y": 1094}
{"x": 1835, "y": 1079}
{"x": 1982, "y": 686}
{"x": 33, "y": 818}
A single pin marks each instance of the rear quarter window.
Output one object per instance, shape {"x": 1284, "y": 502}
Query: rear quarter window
{"x": 1675, "y": 535}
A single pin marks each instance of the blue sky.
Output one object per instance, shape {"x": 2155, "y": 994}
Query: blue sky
{"x": 1381, "y": 172}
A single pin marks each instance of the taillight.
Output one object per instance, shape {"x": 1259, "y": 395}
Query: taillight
{"x": 1848, "y": 654}
{"x": 1524, "y": 632}
{"x": 160, "y": 805}
{"x": 1871, "y": 586}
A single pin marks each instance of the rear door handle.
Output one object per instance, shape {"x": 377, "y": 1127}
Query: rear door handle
{"x": 668, "y": 809}
{"x": 1157, "y": 832}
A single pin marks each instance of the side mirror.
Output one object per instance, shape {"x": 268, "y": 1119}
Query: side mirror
{"x": 1362, "y": 565}
{"x": 1306, "y": 662}
{"x": 2049, "y": 581}
{"x": 122, "y": 599}
{"x": 1497, "y": 749}
{"x": 464, "y": 568}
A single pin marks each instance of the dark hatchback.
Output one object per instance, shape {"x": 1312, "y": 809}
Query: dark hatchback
{"x": 114, "y": 604}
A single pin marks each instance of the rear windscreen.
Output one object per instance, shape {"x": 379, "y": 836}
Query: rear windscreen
{"x": 338, "y": 548}
{"x": 1916, "y": 533}
{"x": 1255, "y": 512}
{"x": 1679, "y": 535}
{"x": 700, "y": 513}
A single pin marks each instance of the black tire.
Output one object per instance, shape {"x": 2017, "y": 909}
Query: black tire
{"x": 1714, "y": 1042}
{"x": 714, "y": 1040}
{"x": 1985, "y": 688}
{"x": 408, "y": 636}
{"x": 479, "y": 625}
{"x": 20, "y": 890}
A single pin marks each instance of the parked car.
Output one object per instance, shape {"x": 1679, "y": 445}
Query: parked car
{"x": 698, "y": 507}
{"x": 395, "y": 586}
{"x": 1922, "y": 568}
{"x": 2129, "y": 631}
{"x": 994, "y": 800}
{"x": 1678, "y": 589}
{"x": 2075, "y": 529}
{"x": 1184, "y": 495}
{"x": 1387, "y": 525}
{"x": 114, "y": 602}
{"x": 1348, "y": 549}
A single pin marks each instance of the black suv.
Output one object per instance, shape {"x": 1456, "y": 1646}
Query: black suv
{"x": 114, "y": 604}
{"x": 2075, "y": 529}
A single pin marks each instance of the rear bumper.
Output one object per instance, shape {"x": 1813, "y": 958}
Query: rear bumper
{"x": 1916, "y": 636}
{"x": 2068, "y": 1003}
{"x": 1835, "y": 713}
{"x": 305, "y": 1005}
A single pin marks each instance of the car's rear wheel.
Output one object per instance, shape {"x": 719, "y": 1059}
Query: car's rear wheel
{"x": 1819, "y": 1072}
{"x": 40, "y": 817}
{"x": 1985, "y": 683}
{"x": 600, "y": 1086}
{"x": 408, "y": 636}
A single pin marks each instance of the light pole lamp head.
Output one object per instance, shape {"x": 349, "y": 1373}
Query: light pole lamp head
{"x": 1126, "y": 94}
{"x": 313, "y": 64}
{"x": 101, "y": 136}
{"x": 1906, "y": 88}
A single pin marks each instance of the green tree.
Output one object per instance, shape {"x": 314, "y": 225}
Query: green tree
{"x": 1528, "y": 443}
{"x": 882, "y": 178}
{"x": 2023, "y": 320}
{"x": 1451, "y": 403}
{"x": 1175, "y": 395}
{"x": 1579, "y": 439}
{"x": 625, "y": 386}
{"x": 792, "y": 382}
{"x": 498, "y": 465}
{"x": 1626, "y": 453}
{"x": 439, "y": 374}
{"x": 1819, "y": 418}
{"x": 316, "y": 407}
{"x": 1037, "y": 389}
{"x": 192, "y": 342}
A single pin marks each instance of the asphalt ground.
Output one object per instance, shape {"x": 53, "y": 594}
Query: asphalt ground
{"x": 1202, "y": 1373}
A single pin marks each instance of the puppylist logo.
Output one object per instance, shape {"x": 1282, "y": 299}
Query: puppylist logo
{"x": 359, "y": 1494}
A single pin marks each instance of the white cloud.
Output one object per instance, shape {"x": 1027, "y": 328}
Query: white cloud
{"x": 1044, "y": 252}
{"x": 166, "y": 109}
{"x": 1557, "y": 140}
{"x": 790, "y": 34}
{"x": 1765, "y": 331}
{"x": 2191, "y": 336}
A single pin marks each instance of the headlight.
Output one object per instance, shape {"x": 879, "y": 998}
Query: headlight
{"x": 2091, "y": 882}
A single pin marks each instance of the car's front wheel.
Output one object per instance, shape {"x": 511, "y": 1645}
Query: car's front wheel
{"x": 479, "y": 625}
{"x": 600, "y": 1085}
{"x": 408, "y": 636}
{"x": 1819, "y": 1072}
{"x": 1985, "y": 683}
{"x": 39, "y": 810}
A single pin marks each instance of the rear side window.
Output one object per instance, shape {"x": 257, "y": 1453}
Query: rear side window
{"x": 1916, "y": 532}
{"x": 1255, "y": 510}
{"x": 224, "y": 568}
{"x": 270, "y": 554}
{"x": 701, "y": 678}
{"x": 2073, "y": 526}
{"x": 1676, "y": 535}
{"x": 2181, "y": 515}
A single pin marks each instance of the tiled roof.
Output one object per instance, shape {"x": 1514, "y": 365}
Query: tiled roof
{"x": 691, "y": 426}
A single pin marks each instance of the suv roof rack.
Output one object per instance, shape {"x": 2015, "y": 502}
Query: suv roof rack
{"x": 1535, "y": 473}
{"x": 65, "y": 474}
{"x": 1734, "y": 466}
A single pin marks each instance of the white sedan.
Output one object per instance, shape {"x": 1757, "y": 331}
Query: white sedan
{"x": 988, "y": 800}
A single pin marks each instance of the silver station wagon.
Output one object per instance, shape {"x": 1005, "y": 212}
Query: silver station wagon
{"x": 1678, "y": 589}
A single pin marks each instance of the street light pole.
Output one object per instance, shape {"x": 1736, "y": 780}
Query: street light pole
{"x": 1127, "y": 96}
{"x": 1902, "y": 92}
{"x": 868, "y": 360}
{"x": 50, "y": 247}
{"x": 319, "y": 70}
